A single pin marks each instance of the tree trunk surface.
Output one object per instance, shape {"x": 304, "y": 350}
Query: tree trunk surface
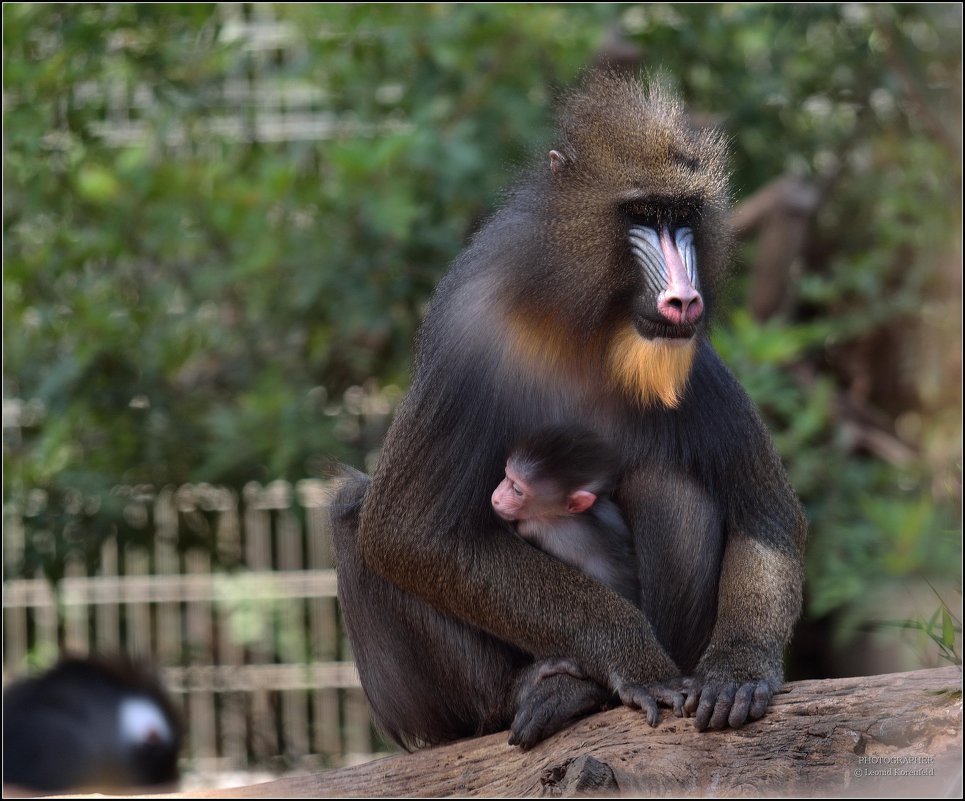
{"x": 896, "y": 735}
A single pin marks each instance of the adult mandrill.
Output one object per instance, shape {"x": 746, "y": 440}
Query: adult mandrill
{"x": 585, "y": 298}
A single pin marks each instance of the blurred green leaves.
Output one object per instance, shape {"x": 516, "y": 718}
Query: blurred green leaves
{"x": 187, "y": 296}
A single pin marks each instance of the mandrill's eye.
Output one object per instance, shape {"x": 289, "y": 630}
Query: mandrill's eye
{"x": 659, "y": 212}
{"x": 685, "y": 215}
{"x": 644, "y": 213}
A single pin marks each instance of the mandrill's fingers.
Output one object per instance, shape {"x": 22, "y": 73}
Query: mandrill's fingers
{"x": 704, "y": 710}
{"x": 722, "y": 706}
{"x": 636, "y": 696}
{"x": 719, "y": 705}
{"x": 713, "y": 710}
{"x": 646, "y": 697}
{"x": 681, "y": 686}
{"x": 693, "y": 699}
{"x": 762, "y": 697}
{"x": 742, "y": 704}
{"x": 669, "y": 697}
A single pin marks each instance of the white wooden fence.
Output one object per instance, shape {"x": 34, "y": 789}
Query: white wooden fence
{"x": 256, "y": 654}
{"x": 260, "y": 99}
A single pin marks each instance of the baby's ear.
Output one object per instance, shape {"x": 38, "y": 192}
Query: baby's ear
{"x": 580, "y": 501}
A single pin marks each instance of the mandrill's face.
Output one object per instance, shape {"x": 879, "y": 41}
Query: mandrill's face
{"x": 668, "y": 307}
{"x": 635, "y": 244}
{"x": 519, "y": 498}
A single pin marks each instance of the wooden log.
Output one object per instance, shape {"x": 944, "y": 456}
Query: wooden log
{"x": 896, "y": 735}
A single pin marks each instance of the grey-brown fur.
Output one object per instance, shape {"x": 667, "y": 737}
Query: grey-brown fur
{"x": 449, "y": 613}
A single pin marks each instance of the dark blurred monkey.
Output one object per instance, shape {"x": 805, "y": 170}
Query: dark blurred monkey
{"x": 557, "y": 493}
{"x": 584, "y": 298}
{"x": 93, "y": 724}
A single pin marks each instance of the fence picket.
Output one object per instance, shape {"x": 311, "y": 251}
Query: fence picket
{"x": 250, "y": 642}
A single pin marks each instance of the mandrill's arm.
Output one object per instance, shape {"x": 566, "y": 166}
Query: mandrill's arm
{"x": 759, "y": 601}
{"x": 429, "y": 529}
{"x": 759, "y": 597}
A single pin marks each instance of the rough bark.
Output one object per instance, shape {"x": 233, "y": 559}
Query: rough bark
{"x": 858, "y": 737}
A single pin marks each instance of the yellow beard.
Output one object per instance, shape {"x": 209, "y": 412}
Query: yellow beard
{"x": 649, "y": 371}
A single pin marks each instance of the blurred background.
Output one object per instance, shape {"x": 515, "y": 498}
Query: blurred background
{"x": 222, "y": 224}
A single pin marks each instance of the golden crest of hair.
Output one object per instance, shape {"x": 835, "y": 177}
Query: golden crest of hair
{"x": 635, "y": 135}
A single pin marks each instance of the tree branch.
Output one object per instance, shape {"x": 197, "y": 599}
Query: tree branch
{"x": 898, "y": 735}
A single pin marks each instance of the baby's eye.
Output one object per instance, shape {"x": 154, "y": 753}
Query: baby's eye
{"x": 517, "y": 490}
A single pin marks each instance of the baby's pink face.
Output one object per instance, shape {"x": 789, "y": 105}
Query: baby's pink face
{"x": 519, "y": 497}
{"x": 513, "y": 498}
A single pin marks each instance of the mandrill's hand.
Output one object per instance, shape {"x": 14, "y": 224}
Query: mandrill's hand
{"x": 716, "y": 704}
{"x": 646, "y": 697}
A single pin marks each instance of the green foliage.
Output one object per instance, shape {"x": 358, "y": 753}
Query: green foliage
{"x": 192, "y": 308}
{"x": 942, "y": 632}
{"x": 871, "y": 525}
{"x": 193, "y": 304}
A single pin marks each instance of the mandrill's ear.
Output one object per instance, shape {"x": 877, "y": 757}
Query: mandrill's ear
{"x": 579, "y": 501}
{"x": 558, "y": 162}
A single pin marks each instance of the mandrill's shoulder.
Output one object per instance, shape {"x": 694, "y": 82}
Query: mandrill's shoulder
{"x": 712, "y": 384}
{"x": 715, "y": 401}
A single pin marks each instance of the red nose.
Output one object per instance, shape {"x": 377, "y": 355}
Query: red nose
{"x": 681, "y": 304}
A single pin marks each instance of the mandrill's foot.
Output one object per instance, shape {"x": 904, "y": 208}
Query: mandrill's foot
{"x": 555, "y": 667}
{"x": 551, "y": 697}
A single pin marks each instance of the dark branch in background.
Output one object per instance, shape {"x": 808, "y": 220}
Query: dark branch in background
{"x": 780, "y": 213}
